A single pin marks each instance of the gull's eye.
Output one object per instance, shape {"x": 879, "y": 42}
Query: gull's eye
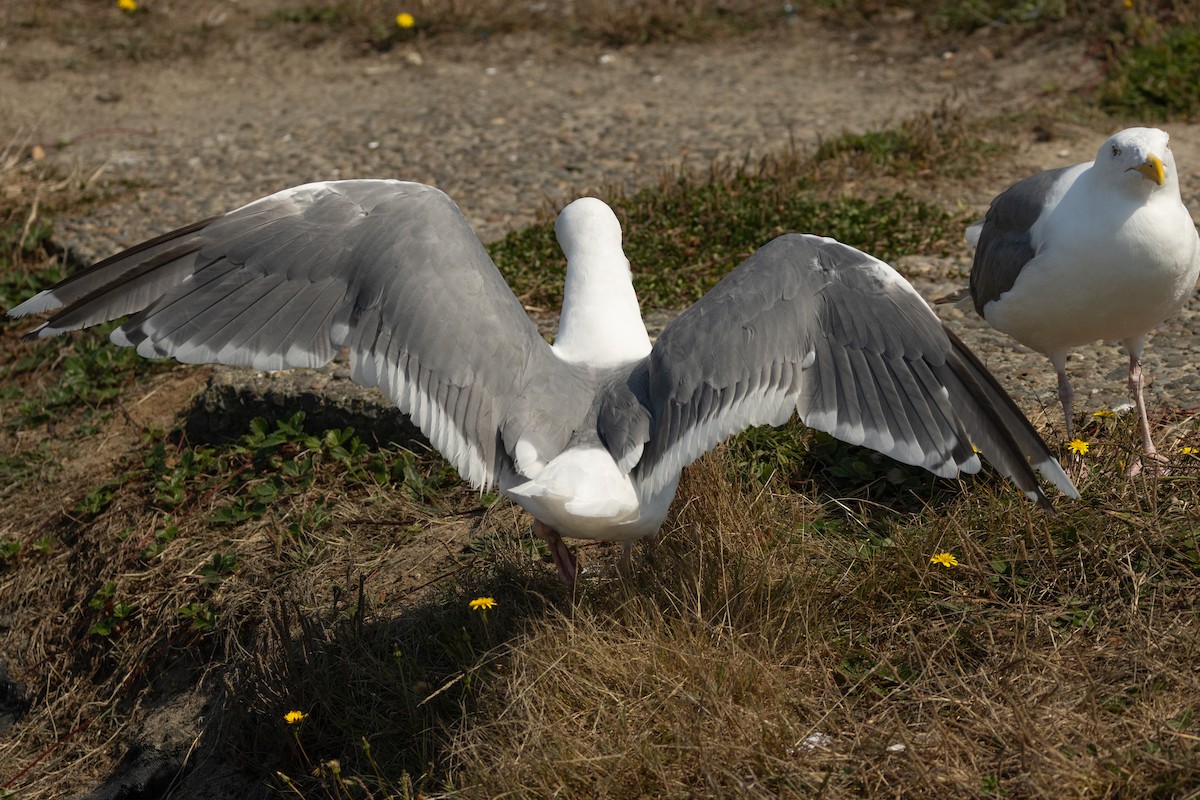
{"x": 1116, "y": 151}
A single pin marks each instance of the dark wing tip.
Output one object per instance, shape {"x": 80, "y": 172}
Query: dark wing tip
{"x": 1011, "y": 443}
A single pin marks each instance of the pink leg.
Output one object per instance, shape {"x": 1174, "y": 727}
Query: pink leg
{"x": 564, "y": 560}
{"x": 1137, "y": 384}
{"x": 1067, "y": 397}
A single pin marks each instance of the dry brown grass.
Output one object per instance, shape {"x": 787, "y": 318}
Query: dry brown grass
{"x": 788, "y": 638}
{"x": 774, "y": 642}
{"x": 761, "y": 658}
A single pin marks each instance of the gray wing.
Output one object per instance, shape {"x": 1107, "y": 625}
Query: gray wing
{"x": 390, "y": 270}
{"x": 1005, "y": 242}
{"x": 812, "y": 325}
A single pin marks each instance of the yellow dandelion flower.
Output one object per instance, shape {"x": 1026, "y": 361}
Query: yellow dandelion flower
{"x": 127, "y": 5}
{"x": 1078, "y": 446}
{"x": 405, "y": 20}
{"x": 294, "y": 717}
{"x": 482, "y": 604}
{"x": 947, "y": 560}
{"x": 1187, "y": 450}
{"x": 1104, "y": 413}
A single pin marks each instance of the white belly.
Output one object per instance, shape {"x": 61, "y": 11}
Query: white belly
{"x": 1074, "y": 295}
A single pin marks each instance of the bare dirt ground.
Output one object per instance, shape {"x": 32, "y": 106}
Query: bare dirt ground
{"x": 501, "y": 126}
{"x": 517, "y": 123}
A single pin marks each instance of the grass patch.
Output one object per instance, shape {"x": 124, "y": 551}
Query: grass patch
{"x": 970, "y": 16}
{"x": 166, "y": 29}
{"x": 719, "y": 217}
{"x": 939, "y": 145}
{"x": 1015, "y": 17}
{"x": 1008, "y": 20}
{"x": 266, "y": 467}
{"x": 374, "y": 22}
{"x": 776, "y": 644}
{"x": 1156, "y": 80}
{"x": 154, "y": 31}
{"x": 77, "y": 379}
{"x": 718, "y": 223}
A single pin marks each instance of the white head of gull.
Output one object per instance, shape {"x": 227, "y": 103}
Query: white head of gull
{"x": 589, "y": 435}
{"x": 1102, "y": 250}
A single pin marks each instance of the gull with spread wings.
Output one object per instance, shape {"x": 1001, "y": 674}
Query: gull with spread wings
{"x": 589, "y": 434}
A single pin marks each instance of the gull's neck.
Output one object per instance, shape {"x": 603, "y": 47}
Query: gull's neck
{"x": 601, "y": 323}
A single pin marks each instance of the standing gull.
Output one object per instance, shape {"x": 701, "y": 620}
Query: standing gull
{"x": 589, "y": 434}
{"x": 1102, "y": 250}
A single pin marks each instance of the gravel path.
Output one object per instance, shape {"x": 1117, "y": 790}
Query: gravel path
{"x": 519, "y": 124}
{"x": 500, "y": 126}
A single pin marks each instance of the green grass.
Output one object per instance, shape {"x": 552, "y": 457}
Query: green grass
{"x": 944, "y": 17}
{"x": 941, "y": 145}
{"x": 88, "y": 374}
{"x": 256, "y": 474}
{"x": 719, "y": 226}
{"x": 22, "y": 268}
{"x": 372, "y": 22}
{"x": 969, "y": 16}
{"x": 1156, "y": 80}
{"x": 78, "y": 379}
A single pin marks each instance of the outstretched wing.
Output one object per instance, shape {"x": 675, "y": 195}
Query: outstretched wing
{"x": 813, "y": 325}
{"x": 388, "y": 269}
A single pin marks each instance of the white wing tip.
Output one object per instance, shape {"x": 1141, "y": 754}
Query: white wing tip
{"x": 972, "y": 234}
{"x": 40, "y": 302}
{"x": 1053, "y": 472}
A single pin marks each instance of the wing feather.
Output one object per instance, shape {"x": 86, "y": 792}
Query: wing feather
{"x": 1004, "y": 239}
{"x": 812, "y": 325}
{"x": 153, "y": 257}
{"x": 389, "y": 269}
